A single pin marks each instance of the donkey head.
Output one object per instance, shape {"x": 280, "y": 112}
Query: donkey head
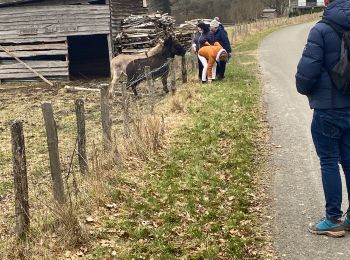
{"x": 173, "y": 47}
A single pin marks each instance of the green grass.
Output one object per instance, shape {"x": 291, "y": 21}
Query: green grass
{"x": 196, "y": 199}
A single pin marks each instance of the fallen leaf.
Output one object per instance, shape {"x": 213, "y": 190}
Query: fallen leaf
{"x": 90, "y": 220}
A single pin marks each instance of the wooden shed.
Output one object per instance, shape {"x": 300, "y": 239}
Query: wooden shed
{"x": 60, "y": 39}
{"x": 269, "y": 13}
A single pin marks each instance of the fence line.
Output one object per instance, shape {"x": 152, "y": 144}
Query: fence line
{"x": 188, "y": 63}
{"x": 243, "y": 29}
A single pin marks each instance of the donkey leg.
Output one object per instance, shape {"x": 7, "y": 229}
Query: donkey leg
{"x": 165, "y": 83}
{"x": 135, "y": 91}
{"x": 111, "y": 88}
{"x": 115, "y": 77}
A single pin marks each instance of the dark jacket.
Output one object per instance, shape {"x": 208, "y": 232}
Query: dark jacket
{"x": 321, "y": 53}
{"x": 201, "y": 38}
{"x": 221, "y": 36}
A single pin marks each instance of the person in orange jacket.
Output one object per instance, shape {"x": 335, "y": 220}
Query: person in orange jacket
{"x": 209, "y": 55}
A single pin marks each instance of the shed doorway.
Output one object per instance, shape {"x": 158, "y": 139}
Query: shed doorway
{"x": 88, "y": 57}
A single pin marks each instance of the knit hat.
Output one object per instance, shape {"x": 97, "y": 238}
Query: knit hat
{"x": 214, "y": 24}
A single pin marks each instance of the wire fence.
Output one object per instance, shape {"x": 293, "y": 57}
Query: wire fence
{"x": 237, "y": 31}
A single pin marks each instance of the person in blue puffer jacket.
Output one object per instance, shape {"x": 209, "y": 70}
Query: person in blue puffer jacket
{"x": 221, "y": 37}
{"x": 330, "y": 126}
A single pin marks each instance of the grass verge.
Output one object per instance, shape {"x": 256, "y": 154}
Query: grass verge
{"x": 199, "y": 199}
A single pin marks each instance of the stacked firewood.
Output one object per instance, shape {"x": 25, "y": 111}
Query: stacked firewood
{"x": 184, "y": 34}
{"x": 141, "y": 32}
{"x": 186, "y": 31}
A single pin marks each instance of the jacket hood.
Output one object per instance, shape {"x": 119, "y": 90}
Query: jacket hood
{"x": 338, "y": 11}
{"x": 221, "y": 27}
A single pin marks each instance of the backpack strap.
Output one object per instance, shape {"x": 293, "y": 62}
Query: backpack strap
{"x": 340, "y": 31}
{"x": 337, "y": 28}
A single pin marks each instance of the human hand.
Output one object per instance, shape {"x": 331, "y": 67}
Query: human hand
{"x": 194, "y": 47}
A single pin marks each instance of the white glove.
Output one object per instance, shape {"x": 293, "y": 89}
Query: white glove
{"x": 194, "y": 47}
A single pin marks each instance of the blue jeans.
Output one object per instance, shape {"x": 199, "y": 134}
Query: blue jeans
{"x": 330, "y": 130}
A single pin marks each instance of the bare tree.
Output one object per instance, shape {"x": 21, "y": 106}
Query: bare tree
{"x": 280, "y": 5}
{"x": 229, "y": 11}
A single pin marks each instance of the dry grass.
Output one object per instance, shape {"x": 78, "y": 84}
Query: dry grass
{"x": 177, "y": 104}
{"x": 147, "y": 133}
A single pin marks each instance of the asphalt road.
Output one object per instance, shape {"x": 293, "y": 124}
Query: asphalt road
{"x": 297, "y": 189}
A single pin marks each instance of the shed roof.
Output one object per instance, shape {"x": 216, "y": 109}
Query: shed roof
{"x": 12, "y": 2}
{"x": 19, "y": 2}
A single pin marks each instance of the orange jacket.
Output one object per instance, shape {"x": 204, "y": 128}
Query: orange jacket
{"x": 211, "y": 53}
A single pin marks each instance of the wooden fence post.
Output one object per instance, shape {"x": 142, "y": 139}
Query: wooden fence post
{"x": 184, "y": 69}
{"x": 172, "y": 75}
{"x": 106, "y": 120}
{"x": 80, "y": 114}
{"x": 125, "y": 110}
{"x": 195, "y": 65}
{"x": 20, "y": 179}
{"x": 52, "y": 143}
{"x": 150, "y": 84}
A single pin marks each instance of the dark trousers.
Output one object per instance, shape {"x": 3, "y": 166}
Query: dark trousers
{"x": 220, "y": 71}
{"x": 200, "y": 69}
{"x": 330, "y": 131}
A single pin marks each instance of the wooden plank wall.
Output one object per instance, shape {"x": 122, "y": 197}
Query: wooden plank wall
{"x": 38, "y": 35}
{"x": 52, "y": 23}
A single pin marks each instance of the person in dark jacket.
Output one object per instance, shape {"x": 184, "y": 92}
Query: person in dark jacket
{"x": 203, "y": 37}
{"x": 330, "y": 126}
{"x": 220, "y": 36}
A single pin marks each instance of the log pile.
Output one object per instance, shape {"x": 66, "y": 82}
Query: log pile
{"x": 184, "y": 33}
{"x": 141, "y": 32}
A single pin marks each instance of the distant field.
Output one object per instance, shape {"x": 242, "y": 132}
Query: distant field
{"x": 230, "y": 32}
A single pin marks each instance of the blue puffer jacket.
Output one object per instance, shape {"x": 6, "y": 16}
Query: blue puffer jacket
{"x": 221, "y": 37}
{"x": 321, "y": 53}
{"x": 201, "y": 38}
